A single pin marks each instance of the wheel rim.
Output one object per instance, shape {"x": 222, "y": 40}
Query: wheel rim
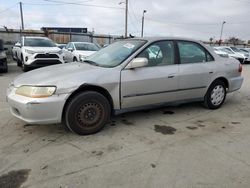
{"x": 89, "y": 115}
{"x": 217, "y": 95}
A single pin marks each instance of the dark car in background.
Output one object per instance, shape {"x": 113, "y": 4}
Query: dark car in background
{"x": 3, "y": 58}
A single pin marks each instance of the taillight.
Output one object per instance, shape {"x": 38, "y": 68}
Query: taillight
{"x": 240, "y": 68}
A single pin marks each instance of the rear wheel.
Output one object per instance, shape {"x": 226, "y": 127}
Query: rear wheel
{"x": 87, "y": 113}
{"x": 216, "y": 95}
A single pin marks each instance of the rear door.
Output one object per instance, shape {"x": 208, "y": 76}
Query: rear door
{"x": 155, "y": 83}
{"x": 196, "y": 69}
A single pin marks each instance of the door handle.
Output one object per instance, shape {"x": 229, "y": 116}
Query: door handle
{"x": 211, "y": 72}
{"x": 171, "y": 76}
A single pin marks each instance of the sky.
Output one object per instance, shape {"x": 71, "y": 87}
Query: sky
{"x": 198, "y": 19}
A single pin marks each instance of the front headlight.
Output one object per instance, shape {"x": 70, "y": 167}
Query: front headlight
{"x": 60, "y": 52}
{"x": 36, "y": 91}
{"x": 30, "y": 51}
{"x": 82, "y": 57}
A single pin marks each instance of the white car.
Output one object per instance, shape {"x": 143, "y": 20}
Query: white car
{"x": 78, "y": 51}
{"x": 232, "y": 53}
{"x": 15, "y": 49}
{"x": 220, "y": 53}
{"x": 38, "y": 52}
{"x": 247, "y": 52}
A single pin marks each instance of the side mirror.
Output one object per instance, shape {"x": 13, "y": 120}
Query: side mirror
{"x": 137, "y": 63}
{"x": 70, "y": 49}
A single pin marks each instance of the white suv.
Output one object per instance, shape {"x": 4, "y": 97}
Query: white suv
{"x": 38, "y": 52}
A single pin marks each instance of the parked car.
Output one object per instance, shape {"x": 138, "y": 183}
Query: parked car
{"x": 245, "y": 51}
{"x": 3, "y": 58}
{"x": 121, "y": 78}
{"x": 78, "y": 51}
{"x": 221, "y": 53}
{"x": 232, "y": 53}
{"x": 37, "y": 52}
{"x": 61, "y": 46}
{"x": 15, "y": 49}
{"x": 245, "y": 54}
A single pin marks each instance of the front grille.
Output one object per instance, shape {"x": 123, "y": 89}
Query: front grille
{"x": 46, "y": 62}
{"x": 46, "y": 56}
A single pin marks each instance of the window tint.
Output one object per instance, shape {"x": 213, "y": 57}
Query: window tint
{"x": 86, "y": 47}
{"x": 191, "y": 52}
{"x": 39, "y": 42}
{"x": 159, "y": 53}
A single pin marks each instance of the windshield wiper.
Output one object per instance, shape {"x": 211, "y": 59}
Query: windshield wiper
{"x": 91, "y": 62}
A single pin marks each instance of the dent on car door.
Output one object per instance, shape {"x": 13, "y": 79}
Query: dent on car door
{"x": 155, "y": 83}
{"x": 196, "y": 70}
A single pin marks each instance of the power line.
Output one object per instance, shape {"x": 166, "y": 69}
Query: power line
{"x": 55, "y": 2}
{"x": 8, "y": 8}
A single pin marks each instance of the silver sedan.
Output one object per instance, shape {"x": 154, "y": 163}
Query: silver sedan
{"x": 127, "y": 75}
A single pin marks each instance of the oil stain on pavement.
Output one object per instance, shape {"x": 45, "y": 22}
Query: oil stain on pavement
{"x": 164, "y": 129}
{"x": 14, "y": 179}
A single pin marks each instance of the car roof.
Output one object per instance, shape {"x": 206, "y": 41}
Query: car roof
{"x": 36, "y": 37}
{"x": 152, "y": 39}
{"x": 82, "y": 42}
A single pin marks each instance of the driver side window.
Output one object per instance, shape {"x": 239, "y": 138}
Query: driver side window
{"x": 159, "y": 54}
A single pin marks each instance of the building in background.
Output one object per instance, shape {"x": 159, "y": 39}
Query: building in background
{"x": 65, "y": 29}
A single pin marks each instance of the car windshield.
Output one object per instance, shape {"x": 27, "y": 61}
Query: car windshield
{"x": 226, "y": 50}
{"x": 38, "y": 42}
{"x": 235, "y": 49}
{"x": 86, "y": 47}
{"x": 114, "y": 54}
{"x": 243, "y": 50}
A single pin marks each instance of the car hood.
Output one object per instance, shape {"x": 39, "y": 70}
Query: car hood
{"x": 43, "y": 49}
{"x": 67, "y": 77}
{"x": 85, "y": 53}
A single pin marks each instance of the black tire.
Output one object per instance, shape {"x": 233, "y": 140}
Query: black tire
{"x": 215, "y": 102}
{"x": 87, "y": 113}
{"x": 19, "y": 62}
{"x": 5, "y": 67}
{"x": 74, "y": 59}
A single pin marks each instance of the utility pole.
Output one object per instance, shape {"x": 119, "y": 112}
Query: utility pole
{"x": 21, "y": 12}
{"x": 142, "y": 22}
{"x": 126, "y": 19}
{"x": 221, "y": 32}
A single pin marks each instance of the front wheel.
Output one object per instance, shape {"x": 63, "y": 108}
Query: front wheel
{"x": 87, "y": 113}
{"x": 215, "y": 95}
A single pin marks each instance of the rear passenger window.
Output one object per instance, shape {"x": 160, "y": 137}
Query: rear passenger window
{"x": 191, "y": 52}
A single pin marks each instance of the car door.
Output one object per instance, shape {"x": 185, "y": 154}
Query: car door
{"x": 68, "y": 52}
{"x": 155, "y": 83}
{"x": 196, "y": 69}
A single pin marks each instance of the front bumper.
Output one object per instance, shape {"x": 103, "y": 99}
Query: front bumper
{"x": 41, "y": 60}
{"x": 36, "y": 110}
